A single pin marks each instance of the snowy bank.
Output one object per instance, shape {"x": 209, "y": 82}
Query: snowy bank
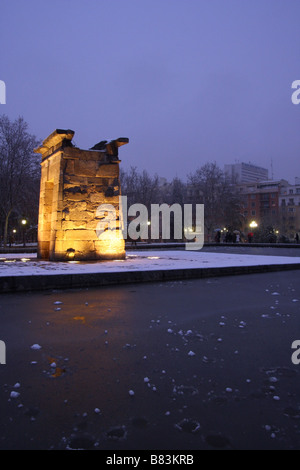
{"x": 28, "y": 265}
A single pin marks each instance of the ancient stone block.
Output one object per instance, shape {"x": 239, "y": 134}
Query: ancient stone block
{"x": 74, "y": 183}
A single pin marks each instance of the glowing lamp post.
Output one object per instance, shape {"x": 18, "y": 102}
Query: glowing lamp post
{"x": 253, "y": 224}
{"x": 149, "y": 224}
{"x": 24, "y": 223}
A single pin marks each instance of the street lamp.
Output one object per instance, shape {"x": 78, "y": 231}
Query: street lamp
{"x": 24, "y": 223}
{"x": 148, "y": 224}
{"x": 253, "y": 225}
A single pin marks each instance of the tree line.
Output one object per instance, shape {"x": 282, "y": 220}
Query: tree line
{"x": 20, "y": 180}
{"x": 206, "y": 185}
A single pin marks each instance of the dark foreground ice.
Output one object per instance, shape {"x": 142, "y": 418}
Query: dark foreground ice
{"x": 193, "y": 365}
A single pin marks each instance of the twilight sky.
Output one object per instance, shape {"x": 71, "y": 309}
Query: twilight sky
{"x": 187, "y": 81}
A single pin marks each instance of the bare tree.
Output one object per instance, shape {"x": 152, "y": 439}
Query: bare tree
{"x": 140, "y": 187}
{"x": 221, "y": 204}
{"x": 19, "y": 171}
{"x": 178, "y": 192}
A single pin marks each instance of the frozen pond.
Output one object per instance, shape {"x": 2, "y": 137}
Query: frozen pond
{"x": 182, "y": 365}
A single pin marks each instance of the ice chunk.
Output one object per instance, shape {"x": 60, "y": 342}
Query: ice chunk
{"x": 273, "y": 380}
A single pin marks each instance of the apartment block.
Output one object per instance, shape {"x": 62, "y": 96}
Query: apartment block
{"x": 260, "y": 202}
{"x": 245, "y": 173}
{"x": 289, "y": 203}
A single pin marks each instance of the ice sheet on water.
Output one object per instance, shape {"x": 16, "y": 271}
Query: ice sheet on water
{"x": 186, "y": 390}
{"x": 188, "y": 425}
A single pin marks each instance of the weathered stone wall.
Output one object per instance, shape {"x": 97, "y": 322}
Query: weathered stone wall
{"x": 74, "y": 183}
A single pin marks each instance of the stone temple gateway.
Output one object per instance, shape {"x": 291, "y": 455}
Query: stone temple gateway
{"x": 74, "y": 183}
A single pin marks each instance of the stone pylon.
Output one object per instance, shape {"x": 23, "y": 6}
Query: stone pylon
{"x": 74, "y": 183}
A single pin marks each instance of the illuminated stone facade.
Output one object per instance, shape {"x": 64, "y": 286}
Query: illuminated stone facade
{"x": 74, "y": 183}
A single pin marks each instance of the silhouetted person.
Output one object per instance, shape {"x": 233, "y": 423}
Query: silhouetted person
{"x": 218, "y": 237}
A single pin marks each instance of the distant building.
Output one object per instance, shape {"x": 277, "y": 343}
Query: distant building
{"x": 261, "y": 202}
{"x": 245, "y": 173}
{"x": 289, "y": 203}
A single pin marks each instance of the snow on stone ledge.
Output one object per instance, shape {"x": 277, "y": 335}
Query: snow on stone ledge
{"x": 27, "y": 264}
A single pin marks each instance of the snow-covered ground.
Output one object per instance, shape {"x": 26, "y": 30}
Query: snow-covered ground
{"x": 27, "y": 264}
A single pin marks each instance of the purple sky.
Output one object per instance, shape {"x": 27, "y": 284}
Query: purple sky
{"x": 188, "y": 81}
